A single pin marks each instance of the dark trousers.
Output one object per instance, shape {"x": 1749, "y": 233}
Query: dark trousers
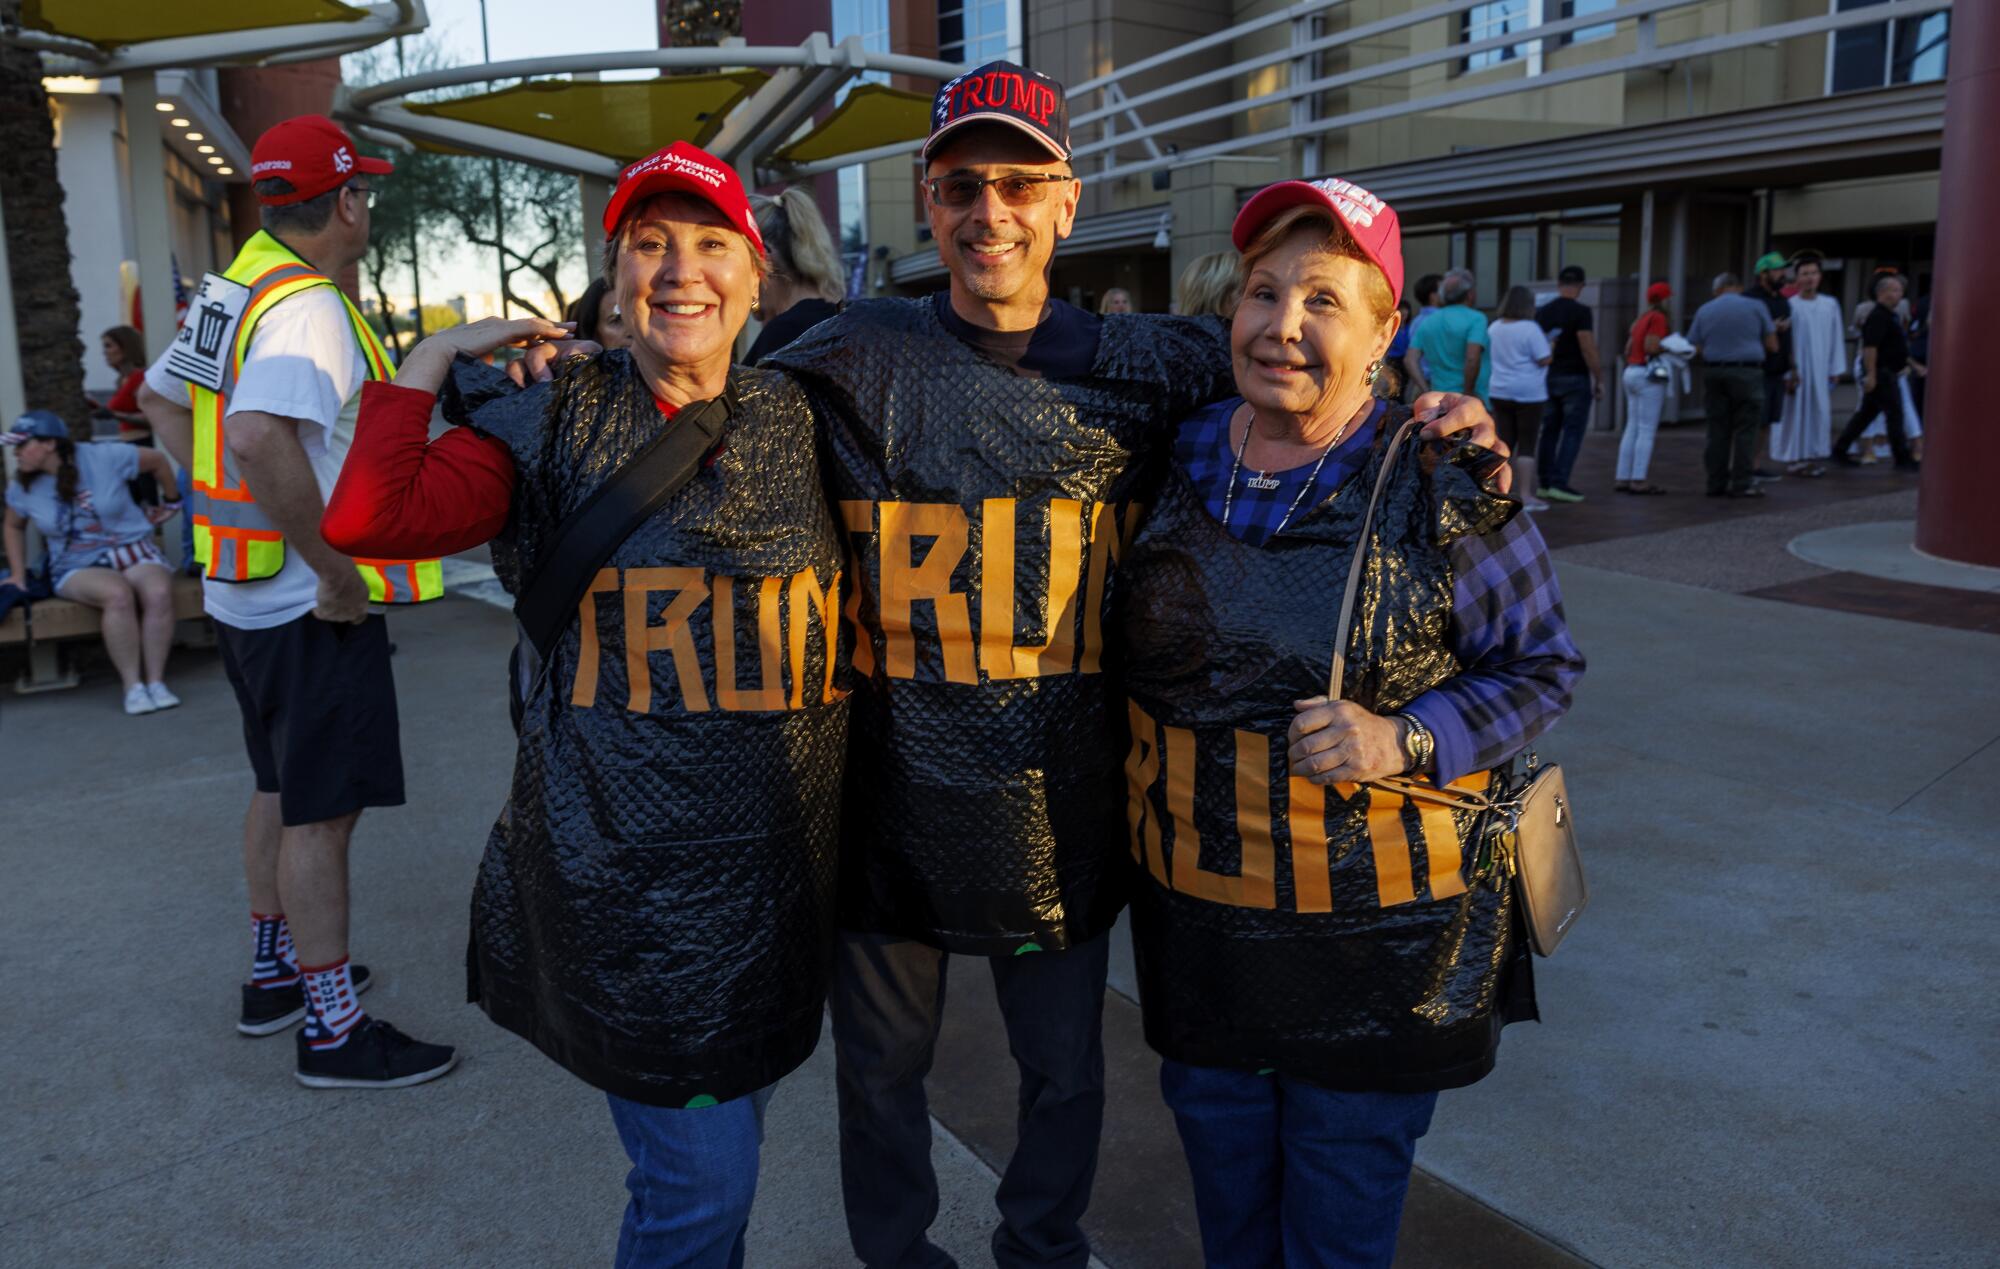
{"x": 887, "y": 1002}
{"x": 1563, "y": 426}
{"x": 1734, "y": 400}
{"x": 1887, "y": 401}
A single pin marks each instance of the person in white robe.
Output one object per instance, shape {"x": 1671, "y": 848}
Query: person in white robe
{"x": 1804, "y": 433}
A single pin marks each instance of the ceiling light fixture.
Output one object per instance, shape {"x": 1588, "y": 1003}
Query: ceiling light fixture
{"x": 225, "y": 171}
{"x": 178, "y": 123}
{"x": 196, "y": 136}
{"x": 204, "y": 149}
{"x": 215, "y": 158}
{"x": 164, "y": 107}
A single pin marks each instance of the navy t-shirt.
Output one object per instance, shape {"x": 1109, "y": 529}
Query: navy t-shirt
{"x": 1063, "y": 345}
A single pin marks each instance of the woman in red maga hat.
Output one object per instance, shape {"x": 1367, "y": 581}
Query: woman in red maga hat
{"x": 1317, "y": 958}
{"x": 655, "y": 906}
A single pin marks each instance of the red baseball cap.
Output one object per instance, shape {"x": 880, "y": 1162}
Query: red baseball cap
{"x": 1371, "y": 221}
{"x": 1657, "y": 292}
{"x": 686, "y": 169}
{"x": 313, "y": 154}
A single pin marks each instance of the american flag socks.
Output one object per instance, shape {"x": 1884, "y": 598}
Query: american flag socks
{"x": 273, "y": 961}
{"x": 333, "y": 1009}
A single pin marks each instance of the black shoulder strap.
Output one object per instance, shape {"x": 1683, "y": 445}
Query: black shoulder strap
{"x": 588, "y": 536}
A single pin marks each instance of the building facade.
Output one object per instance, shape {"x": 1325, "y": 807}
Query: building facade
{"x": 1672, "y": 139}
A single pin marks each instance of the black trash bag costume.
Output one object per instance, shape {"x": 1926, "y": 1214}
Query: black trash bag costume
{"x": 655, "y": 907}
{"x": 1347, "y": 936}
{"x": 984, "y": 805}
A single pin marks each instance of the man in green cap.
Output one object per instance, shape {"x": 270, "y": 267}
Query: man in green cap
{"x": 1770, "y": 291}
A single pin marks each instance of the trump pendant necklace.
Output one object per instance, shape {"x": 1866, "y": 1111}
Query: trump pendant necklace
{"x": 1264, "y": 480}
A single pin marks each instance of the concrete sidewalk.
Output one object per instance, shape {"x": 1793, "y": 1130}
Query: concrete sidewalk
{"x": 1766, "y": 1044}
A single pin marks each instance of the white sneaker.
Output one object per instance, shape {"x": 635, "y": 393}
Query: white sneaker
{"x": 1534, "y": 504}
{"x": 162, "y": 698}
{"x": 138, "y": 700}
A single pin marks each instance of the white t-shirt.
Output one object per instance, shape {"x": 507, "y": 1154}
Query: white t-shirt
{"x": 303, "y": 363}
{"x": 1517, "y": 348}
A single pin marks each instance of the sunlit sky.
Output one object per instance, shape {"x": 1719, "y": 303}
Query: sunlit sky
{"x": 524, "y": 28}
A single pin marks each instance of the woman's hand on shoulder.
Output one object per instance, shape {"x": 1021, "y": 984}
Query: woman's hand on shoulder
{"x": 430, "y": 361}
{"x": 1456, "y": 414}
{"x": 1338, "y": 742}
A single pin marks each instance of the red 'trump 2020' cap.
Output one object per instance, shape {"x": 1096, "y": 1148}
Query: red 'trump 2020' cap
{"x": 685, "y": 169}
{"x": 1371, "y": 222}
{"x": 313, "y": 154}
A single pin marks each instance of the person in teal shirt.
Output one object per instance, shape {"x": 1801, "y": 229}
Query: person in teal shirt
{"x": 1452, "y": 342}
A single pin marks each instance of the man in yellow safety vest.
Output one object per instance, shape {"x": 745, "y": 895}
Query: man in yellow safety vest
{"x": 256, "y": 397}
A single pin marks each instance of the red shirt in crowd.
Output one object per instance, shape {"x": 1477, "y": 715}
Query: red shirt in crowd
{"x": 1651, "y": 322}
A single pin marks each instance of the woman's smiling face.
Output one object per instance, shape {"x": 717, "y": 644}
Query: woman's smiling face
{"x": 685, "y": 282}
{"x": 1306, "y": 330}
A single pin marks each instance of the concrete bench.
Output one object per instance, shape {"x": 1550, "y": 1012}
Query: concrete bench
{"x": 50, "y": 623}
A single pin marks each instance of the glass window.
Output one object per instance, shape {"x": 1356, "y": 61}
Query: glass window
{"x": 1920, "y": 48}
{"x": 1584, "y": 8}
{"x": 1860, "y": 53}
{"x": 977, "y": 31}
{"x": 1499, "y": 17}
{"x": 1893, "y": 51}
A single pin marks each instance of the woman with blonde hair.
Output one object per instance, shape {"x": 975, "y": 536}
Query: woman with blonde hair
{"x": 1210, "y": 286}
{"x": 807, "y": 280}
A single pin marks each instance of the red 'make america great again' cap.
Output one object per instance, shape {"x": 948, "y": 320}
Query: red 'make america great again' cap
{"x": 1003, "y": 93}
{"x": 313, "y": 154}
{"x": 682, "y": 168}
{"x": 1372, "y": 223}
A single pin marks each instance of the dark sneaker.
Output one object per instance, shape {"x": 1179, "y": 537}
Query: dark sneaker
{"x": 376, "y": 1055}
{"x": 269, "y": 1010}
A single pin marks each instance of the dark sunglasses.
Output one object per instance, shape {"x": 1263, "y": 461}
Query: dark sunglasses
{"x": 1017, "y": 190}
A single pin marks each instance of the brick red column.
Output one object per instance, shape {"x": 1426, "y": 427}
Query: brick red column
{"x": 1958, "y": 511}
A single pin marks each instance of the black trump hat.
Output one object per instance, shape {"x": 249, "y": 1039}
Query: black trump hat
{"x": 1003, "y": 93}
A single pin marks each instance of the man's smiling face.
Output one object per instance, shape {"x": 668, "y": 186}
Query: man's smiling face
{"x": 999, "y": 252}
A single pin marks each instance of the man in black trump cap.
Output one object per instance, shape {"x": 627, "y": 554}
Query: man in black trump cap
{"x": 991, "y": 450}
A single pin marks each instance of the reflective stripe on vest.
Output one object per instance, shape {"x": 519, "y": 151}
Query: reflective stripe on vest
{"x": 233, "y": 539}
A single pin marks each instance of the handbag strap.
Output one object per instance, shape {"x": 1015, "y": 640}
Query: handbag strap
{"x": 1346, "y": 622}
{"x": 613, "y": 511}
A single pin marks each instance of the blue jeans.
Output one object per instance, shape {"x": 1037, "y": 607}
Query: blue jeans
{"x": 1287, "y": 1173}
{"x": 694, "y": 1173}
{"x": 1563, "y": 427}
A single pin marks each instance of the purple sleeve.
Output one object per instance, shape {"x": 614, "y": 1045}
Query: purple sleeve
{"x": 1520, "y": 664}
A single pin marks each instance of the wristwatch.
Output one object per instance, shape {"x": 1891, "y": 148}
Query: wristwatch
{"x": 1418, "y": 744}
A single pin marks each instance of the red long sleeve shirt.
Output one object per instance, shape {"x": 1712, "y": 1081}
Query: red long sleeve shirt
{"x": 404, "y": 496}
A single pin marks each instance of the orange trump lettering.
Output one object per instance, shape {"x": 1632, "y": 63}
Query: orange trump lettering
{"x": 583, "y": 692}
{"x": 671, "y": 634}
{"x": 1109, "y": 540}
{"x": 905, "y": 583}
{"x": 1055, "y": 648}
{"x": 808, "y": 599}
{"x": 859, "y": 517}
{"x": 1142, "y": 768}
{"x": 770, "y": 690}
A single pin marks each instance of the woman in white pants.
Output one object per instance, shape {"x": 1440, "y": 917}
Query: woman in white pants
{"x": 1645, "y": 396}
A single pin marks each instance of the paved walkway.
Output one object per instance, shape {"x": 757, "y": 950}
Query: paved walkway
{"x": 1766, "y": 1044}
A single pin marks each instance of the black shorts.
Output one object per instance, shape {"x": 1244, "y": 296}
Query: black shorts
{"x": 319, "y": 715}
{"x": 1518, "y": 423}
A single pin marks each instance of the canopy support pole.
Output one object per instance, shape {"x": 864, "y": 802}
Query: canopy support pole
{"x": 13, "y": 391}
{"x": 151, "y": 228}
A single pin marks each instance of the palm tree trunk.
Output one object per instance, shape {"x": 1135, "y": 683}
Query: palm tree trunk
{"x": 45, "y": 301}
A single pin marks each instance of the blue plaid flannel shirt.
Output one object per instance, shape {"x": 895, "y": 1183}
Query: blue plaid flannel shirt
{"x": 1507, "y": 624}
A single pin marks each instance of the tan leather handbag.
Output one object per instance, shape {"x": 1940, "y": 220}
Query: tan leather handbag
{"x": 1528, "y": 819}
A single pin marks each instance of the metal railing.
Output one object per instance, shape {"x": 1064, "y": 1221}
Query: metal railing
{"x": 1116, "y": 100}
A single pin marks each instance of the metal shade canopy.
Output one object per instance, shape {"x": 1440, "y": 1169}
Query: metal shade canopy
{"x": 619, "y": 119}
{"x": 873, "y": 116}
{"x": 112, "y": 24}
